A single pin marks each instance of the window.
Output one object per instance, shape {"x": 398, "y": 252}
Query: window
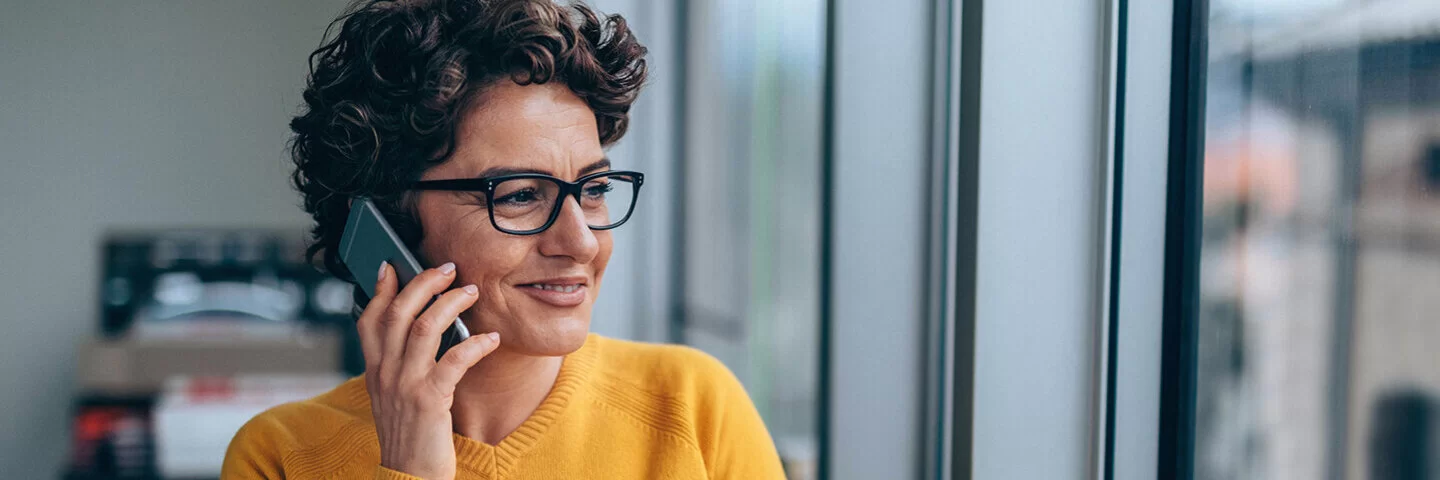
{"x": 750, "y": 211}
{"x": 1318, "y": 347}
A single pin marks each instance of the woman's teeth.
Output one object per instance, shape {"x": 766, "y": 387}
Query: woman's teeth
{"x": 556, "y": 288}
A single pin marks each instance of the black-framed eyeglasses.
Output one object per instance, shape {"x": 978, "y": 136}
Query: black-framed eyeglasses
{"x": 529, "y": 203}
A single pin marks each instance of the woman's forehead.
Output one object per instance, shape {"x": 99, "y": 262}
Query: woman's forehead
{"x": 542, "y": 128}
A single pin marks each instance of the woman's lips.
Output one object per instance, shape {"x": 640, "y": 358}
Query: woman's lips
{"x": 560, "y": 295}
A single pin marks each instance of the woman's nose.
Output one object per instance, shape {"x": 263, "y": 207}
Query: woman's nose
{"x": 570, "y": 236}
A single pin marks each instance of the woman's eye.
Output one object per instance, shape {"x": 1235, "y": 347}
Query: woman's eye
{"x": 598, "y": 190}
{"x": 518, "y": 198}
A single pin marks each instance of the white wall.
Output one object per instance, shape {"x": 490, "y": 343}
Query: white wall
{"x": 126, "y": 114}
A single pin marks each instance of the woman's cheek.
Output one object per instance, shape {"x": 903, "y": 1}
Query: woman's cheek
{"x": 602, "y": 259}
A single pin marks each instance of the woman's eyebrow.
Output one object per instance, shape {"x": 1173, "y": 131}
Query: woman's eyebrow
{"x": 492, "y": 172}
{"x": 499, "y": 171}
{"x": 604, "y": 163}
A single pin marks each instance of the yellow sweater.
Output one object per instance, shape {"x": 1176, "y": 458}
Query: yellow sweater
{"x": 618, "y": 410}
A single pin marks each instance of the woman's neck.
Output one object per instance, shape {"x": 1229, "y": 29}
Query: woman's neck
{"x": 500, "y": 393}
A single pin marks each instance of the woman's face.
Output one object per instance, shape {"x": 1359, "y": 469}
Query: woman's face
{"x": 536, "y": 128}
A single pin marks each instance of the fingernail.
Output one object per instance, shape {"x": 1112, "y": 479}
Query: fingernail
{"x": 470, "y": 290}
{"x": 447, "y": 268}
{"x": 380, "y": 277}
{"x": 494, "y": 336}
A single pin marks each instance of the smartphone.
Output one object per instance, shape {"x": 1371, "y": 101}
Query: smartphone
{"x": 369, "y": 240}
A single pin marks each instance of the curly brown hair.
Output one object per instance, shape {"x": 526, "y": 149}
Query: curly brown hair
{"x": 385, "y": 94}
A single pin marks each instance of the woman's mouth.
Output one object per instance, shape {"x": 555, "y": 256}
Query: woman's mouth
{"x": 559, "y": 294}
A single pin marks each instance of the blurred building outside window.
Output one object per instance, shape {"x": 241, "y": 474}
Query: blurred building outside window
{"x": 1320, "y": 264}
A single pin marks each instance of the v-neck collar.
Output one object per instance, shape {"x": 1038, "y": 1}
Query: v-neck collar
{"x": 497, "y": 460}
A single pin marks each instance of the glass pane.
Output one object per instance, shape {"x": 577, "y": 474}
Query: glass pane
{"x": 752, "y": 206}
{"x": 1319, "y": 345}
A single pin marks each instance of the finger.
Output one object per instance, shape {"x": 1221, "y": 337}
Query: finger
{"x": 407, "y": 305}
{"x": 426, "y": 332}
{"x": 368, "y": 324}
{"x": 452, "y": 367}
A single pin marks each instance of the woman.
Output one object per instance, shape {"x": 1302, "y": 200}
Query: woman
{"x": 409, "y": 104}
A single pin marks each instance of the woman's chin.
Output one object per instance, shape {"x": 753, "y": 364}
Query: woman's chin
{"x": 558, "y": 337}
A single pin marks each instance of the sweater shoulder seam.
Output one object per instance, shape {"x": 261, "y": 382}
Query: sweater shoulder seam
{"x": 681, "y": 437}
{"x": 344, "y": 440}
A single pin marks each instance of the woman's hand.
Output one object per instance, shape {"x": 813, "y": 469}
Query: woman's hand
{"x": 410, "y": 392}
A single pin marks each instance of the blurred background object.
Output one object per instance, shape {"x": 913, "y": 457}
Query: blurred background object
{"x": 199, "y": 330}
{"x": 1321, "y": 250}
{"x": 196, "y": 416}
